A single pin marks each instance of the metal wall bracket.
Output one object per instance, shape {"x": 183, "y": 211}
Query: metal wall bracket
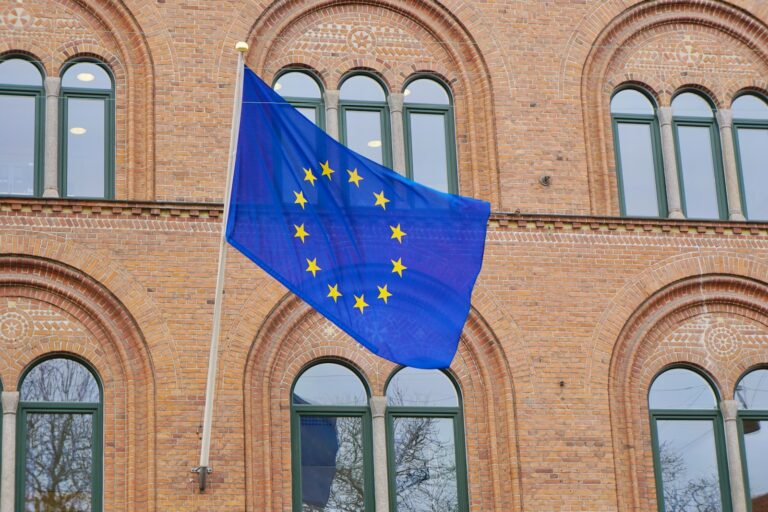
{"x": 202, "y": 476}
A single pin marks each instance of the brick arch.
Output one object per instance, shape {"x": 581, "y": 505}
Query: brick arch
{"x": 293, "y": 335}
{"x": 643, "y": 349}
{"x": 608, "y": 34}
{"x": 113, "y": 344}
{"x": 283, "y": 21}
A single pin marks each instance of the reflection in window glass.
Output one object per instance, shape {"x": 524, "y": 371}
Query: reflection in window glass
{"x": 690, "y": 104}
{"x": 425, "y": 464}
{"x": 18, "y": 144}
{"x": 753, "y": 154}
{"x": 362, "y": 88}
{"x": 329, "y": 384}
{"x": 426, "y": 91}
{"x": 363, "y": 133}
{"x": 750, "y": 107}
{"x": 429, "y": 151}
{"x": 20, "y": 72}
{"x": 680, "y": 388}
{"x": 421, "y": 388}
{"x": 630, "y": 101}
{"x": 296, "y": 84}
{"x": 638, "y": 169}
{"x": 755, "y": 448}
{"x": 752, "y": 391}
{"x": 688, "y": 463}
{"x": 59, "y": 462}
{"x": 59, "y": 380}
{"x": 86, "y": 151}
{"x": 697, "y": 168}
{"x": 86, "y": 75}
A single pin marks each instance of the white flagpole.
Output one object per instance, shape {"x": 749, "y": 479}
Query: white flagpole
{"x": 210, "y": 389}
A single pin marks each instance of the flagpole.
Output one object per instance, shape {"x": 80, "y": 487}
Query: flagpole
{"x": 210, "y": 389}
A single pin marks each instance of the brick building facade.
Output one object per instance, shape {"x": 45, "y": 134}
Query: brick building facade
{"x": 577, "y": 309}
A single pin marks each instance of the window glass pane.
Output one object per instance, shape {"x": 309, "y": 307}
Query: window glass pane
{"x": 689, "y": 104}
{"x": 749, "y": 106}
{"x": 362, "y": 88}
{"x": 422, "y": 388}
{"x": 86, "y": 75}
{"x": 638, "y": 170}
{"x": 86, "y": 157}
{"x": 59, "y": 380}
{"x": 425, "y": 90}
{"x": 363, "y": 130}
{"x": 425, "y": 464}
{"x": 755, "y": 448}
{"x": 429, "y": 154}
{"x": 697, "y": 165}
{"x": 17, "y": 144}
{"x": 752, "y": 391}
{"x": 753, "y": 155}
{"x": 630, "y": 101}
{"x": 329, "y": 384}
{"x": 20, "y": 72}
{"x": 332, "y": 468}
{"x": 308, "y": 112}
{"x": 297, "y": 85}
{"x": 680, "y": 388}
{"x": 688, "y": 461}
{"x": 58, "y": 462}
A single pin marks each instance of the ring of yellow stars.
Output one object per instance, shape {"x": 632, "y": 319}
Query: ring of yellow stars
{"x": 398, "y": 267}
{"x": 333, "y": 292}
{"x": 308, "y": 176}
{"x": 381, "y": 200}
{"x": 312, "y": 266}
{"x": 397, "y": 233}
{"x": 383, "y": 293}
{"x": 327, "y": 171}
{"x": 300, "y": 232}
{"x": 354, "y": 177}
{"x": 360, "y": 303}
{"x": 300, "y": 199}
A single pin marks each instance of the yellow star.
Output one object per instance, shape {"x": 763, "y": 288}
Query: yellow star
{"x": 383, "y": 293}
{"x": 360, "y": 303}
{"x": 308, "y": 176}
{"x": 300, "y": 232}
{"x": 397, "y": 233}
{"x": 312, "y": 266}
{"x": 327, "y": 171}
{"x": 300, "y": 199}
{"x": 398, "y": 267}
{"x": 381, "y": 200}
{"x": 354, "y": 177}
{"x": 333, "y": 292}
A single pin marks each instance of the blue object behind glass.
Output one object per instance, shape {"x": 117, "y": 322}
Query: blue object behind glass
{"x": 412, "y": 315}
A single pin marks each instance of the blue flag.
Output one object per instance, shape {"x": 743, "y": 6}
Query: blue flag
{"x": 387, "y": 260}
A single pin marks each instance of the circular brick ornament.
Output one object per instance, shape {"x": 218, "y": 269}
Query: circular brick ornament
{"x": 721, "y": 341}
{"x": 15, "y": 327}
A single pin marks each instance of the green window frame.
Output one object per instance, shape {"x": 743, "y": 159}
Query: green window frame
{"x": 746, "y": 124}
{"x": 38, "y": 93}
{"x": 300, "y": 102}
{"x": 453, "y": 414}
{"x": 746, "y": 416}
{"x": 717, "y": 158}
{"x": 362, "y": 412}
{"x": 446, "y": 111}
{"x": 380, "y": 107}
{"x": 652, "y": 122}
{"x": 94, "y": 409}
{"x": 108, "y": 97}
{"x": 682, "y": 415}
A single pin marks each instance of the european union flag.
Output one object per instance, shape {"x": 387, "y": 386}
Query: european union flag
{"x": 387, "y": 260}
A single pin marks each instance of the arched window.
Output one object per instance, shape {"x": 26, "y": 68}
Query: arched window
{"x": 21, "y": 127}
{"x": 331, "y": 441}
{"x": 365, "y": 118}
{"x": 430, "y": 136}
{"x": 59, "y": 459}
{"x": 302, "y": 91}
{"x": 88, "y": 131}
{"x": 639, "y": 168}
{"x": 750, "y": 122}
{"x": 688, "y": 446}
{"x": 752, "y": 395}
{"x": 699, "y": 160}
{"x": 425, "y": 429}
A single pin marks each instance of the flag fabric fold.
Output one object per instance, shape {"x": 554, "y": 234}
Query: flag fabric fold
{"x": 387, "y": 260}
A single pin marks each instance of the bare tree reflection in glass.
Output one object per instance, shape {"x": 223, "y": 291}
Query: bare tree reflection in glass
{"x": 59, "y": 399}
